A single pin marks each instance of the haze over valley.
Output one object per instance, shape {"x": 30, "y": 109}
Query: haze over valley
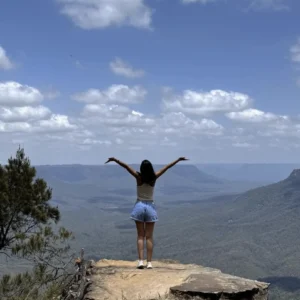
{"x": 203, "y": 219}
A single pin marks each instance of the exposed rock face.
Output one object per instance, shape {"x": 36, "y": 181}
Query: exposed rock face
{"x": 121, "y": 280}
{"x": 295, "y": 176}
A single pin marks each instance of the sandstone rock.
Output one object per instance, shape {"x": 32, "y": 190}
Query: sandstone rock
{"x": 121, "y": 280}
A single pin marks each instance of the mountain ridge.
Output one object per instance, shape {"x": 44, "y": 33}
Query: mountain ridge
{"x": 263, "y": 172}
{"x": 187, "y": 169}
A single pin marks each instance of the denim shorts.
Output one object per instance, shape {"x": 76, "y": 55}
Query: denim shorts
{"x": 144, "y": 211}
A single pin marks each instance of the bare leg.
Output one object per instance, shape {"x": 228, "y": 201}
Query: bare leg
{"x": 149, "y": 240}
{"x": 140, "y": 239}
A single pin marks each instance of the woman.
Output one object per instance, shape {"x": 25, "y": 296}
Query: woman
{"x": 144, "y": 213}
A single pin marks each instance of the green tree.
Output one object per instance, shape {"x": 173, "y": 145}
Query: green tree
{"x": 27, "y": 223}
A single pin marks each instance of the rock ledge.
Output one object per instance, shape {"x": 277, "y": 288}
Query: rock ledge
{"x": 121, "y": 280}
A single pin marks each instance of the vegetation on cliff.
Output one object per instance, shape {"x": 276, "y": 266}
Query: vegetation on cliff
{"x": 28, "y": 230}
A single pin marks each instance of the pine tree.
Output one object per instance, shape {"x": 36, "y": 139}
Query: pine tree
{"x": 27, "y": 231}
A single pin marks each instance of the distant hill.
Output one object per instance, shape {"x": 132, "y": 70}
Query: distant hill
{"x": 109, "y": 185}
{"x": 264, "y": 173}
{"x": 253, "y": 234}
{"x": 90, "y": 173}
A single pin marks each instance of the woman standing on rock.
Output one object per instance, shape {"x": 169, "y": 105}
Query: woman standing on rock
{"x": 144, "y": 213}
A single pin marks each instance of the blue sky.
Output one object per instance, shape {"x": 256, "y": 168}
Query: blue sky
{"x": 214, "y": 80}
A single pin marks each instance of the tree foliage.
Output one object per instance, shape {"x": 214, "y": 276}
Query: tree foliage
{"x": 27, "y": 231}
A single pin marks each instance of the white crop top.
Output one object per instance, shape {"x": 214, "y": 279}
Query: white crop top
{"x": 145, "y": 192}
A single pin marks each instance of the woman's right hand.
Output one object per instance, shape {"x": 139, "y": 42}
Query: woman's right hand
{"x": 182, "y": 158}
{"x": 110, "y": 159}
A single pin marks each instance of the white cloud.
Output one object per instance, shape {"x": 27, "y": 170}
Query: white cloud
{"x": 287, "y": 129}
{"x": 167, "y": 142}
{"x": 119, "y": 141}
{"x": 20, "y": 111}
{"x": 134, "y": 128}
{"x": 137, "y": 113}
{"x": 203, "y": 103}
{"x": 104, "y": 110}
{"x": 298, "y": 81}
{"x": 177, "y": 122}
{"x": 295, "y": 52}
{"x": 56, "y": 122}
{"x": 197, "y": 1}
{"x": 15, "y": 94}
{"x": 51, "y": 93}
{"x": 15, "y": 127}
{"x": 245, "y": 145}
{"x": 115, "y": 116}
{"x": 5, "y": 62}
{"x": 93, "y": 14}
{"x": 107, "y": 122}
{"x": 79, "y": 65}
{"x": 116, "y": 93}
{"x": 255, "y": 116}
{"x": 24, "y": 113}
{"x": 89, "y": 141}
{"x": 120, "y": 67}
{"x": 277, "y": 5}
{"x": 135, "y": 148}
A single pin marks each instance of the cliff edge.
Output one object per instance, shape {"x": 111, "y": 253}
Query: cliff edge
{"x": 116, "y": 280}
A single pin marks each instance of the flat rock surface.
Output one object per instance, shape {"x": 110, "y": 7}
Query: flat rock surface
{"x": 121, "y": 280}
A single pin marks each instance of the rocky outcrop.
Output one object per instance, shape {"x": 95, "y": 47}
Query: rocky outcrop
{"x": 294, "y": 176}
{"x": 121, "y": 280}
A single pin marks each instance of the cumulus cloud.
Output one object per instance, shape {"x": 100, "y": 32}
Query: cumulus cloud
{"x": 24, "y": 113}
{"x": 178, "y": 122}
{"x": 169, "y": 123}
{"x": 116, "y": 93}
{"x": 295, "y": 52}
{"x": 255, "y": 116}
{"x": 107, "y": 121}
{"x": 203, "y": 103}
{"x": 5, "y": 62}
{"x": 20, "y": 111}
{"x": 122, "y": 68}
{"x": 105, "y": 110}
{"x": 94, "y": 14}
{"x": 277, "y": 5}
{"x": 15, "y": 127}
{"x": 15, "y": 94}
{"x": 114, "y": 115}
{"x": 286, "y": 129}
{"x": 55, "y": 123}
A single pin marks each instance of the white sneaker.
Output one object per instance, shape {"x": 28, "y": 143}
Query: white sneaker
{"x": 149, "y": 265}
{"x": 140, "y": 264}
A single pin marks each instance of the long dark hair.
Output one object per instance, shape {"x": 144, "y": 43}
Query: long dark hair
{"x": 147, "y": 172}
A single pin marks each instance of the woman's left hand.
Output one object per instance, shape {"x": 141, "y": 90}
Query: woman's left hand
{"x": 110, "y": 159}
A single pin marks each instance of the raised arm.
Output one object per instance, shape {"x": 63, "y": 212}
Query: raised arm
{"x": 165, "y": 168}
{"x": 125, "y": 166}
